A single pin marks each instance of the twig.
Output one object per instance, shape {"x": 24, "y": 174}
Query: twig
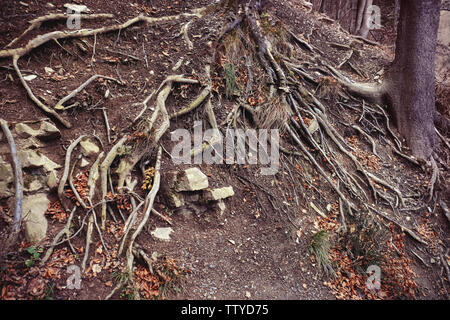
{"x": 108, "y": 129}
{"x": 166, "y": 219}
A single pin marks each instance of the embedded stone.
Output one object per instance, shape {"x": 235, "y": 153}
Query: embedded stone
{"x": 218, "y": 193}
{"x": 33, "y": 211}
{"x": 191, "y": 179}
{"x": 88, "y": 148}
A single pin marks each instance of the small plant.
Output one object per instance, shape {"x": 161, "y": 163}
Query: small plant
{"x": 320, "y": 247}
{"x": 48, "y": 292}
{"x": 127, "y": 294}
{"x": 35, "y": 253}
{"x": 230, "y": 79}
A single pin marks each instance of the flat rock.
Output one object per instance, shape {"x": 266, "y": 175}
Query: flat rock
{"x": 191, "y": 179}
{"x": 33, "y": 210}
{"x": 46, "y": 131}
{"x": 52, "y": 180}
{"x": 78, "y": 8}
{"x": 35, "y": 159}
{"x": 175, "y": 199}
{"x": 6, "y": 179}
{"x": 218, "y": 193}
{"x": 162, "y": 233}
{"x": 88, "y": 148}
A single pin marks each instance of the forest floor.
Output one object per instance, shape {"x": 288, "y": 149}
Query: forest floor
{"x": 257, "y": 249}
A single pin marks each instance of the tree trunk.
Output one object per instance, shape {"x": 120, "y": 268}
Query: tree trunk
{"x": 359, "y": 15}
{"x": 366, "y": 19}
{"x": 410, "y": 83}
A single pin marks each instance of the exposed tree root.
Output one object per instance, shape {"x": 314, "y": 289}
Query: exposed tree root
{"x": 65, "y": 174}
{"x": 36, "y": 23}
{"x": 64, "y": 232}
{"x": 289, "y": 102}
{"x": 60, "y": 103}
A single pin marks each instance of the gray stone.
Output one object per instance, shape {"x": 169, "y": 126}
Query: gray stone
{"x": 52, "y": 180}
{"x": 35, "y": 159}
{"x": 88, "y": 148}
{"x": 191, "y": 179}
{"x": 33, "y": 210}
{"x": 218, "y": 193}
{"x": 6, "y": 178}
{"x": 77, "y": 8}
{"x": 34, "y": 185}
{"x": 175, "y": 199}
{"x": 220, "y": 208}
{"x": 84, "y": 163}
{"x": 46, "y": 131}
{"x": 162, "y": 233}
{"x": 25, "y": 131}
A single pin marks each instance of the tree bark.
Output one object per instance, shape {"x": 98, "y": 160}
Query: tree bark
{"x": 410, "y": 83}
{"x": 365, "y": 19}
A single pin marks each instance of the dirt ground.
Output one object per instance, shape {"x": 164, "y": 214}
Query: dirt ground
{"x": 256, "y": 250}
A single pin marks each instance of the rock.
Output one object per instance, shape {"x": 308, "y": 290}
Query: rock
{"x": 31, "y": 77}
{"x": 24, "y": 130}
{"x": 48, "y": 70}
{"x": 88, "y": 148}
{"x": 175, "y": 199}
{"x": 313, "y": 126}
{"x": 52, "y": 180}
{"x": 48, "y": 131}
{"x": 30, "y": 159}
{"x": 34, "y": 185}
{"x": 218, "y": 193}
{"x": 220, "y": 207}
{"x": 6, "y": 179}
{"x": 84, "y": 163}
{"x": 35, "y": 159}
{"x": 162, "y": 233}
{"x": 33, "y": 208}
{"x": 191, "y": 179}
{"x": 77, "y": 8}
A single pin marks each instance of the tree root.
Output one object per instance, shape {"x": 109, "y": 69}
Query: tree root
{"x": 63, "y": 179}
{"x": 38, "y": 102}
{"x": 59, "y": 104}
{"x": 64, "y": 231}
{"x": 36, "y": 23}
